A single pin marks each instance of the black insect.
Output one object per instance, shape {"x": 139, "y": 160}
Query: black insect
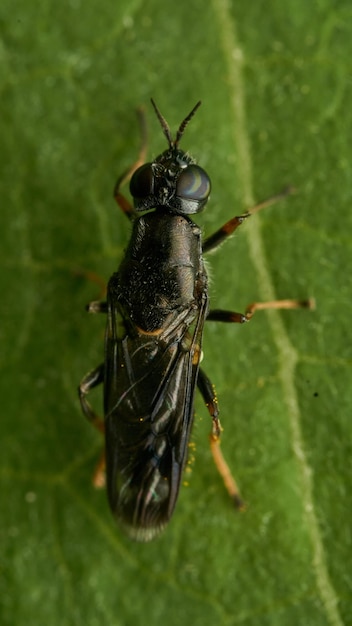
{"x": 157, "y": 304}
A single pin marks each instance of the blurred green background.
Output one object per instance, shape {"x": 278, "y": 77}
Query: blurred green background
{"x": 275, "y": 81}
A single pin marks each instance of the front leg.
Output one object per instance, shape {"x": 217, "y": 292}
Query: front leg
{"x": 215, "y": 240}
{"x": 123, "y": 203}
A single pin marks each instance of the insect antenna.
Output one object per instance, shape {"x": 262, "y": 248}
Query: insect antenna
{"x": 163, "y": 123}
{"x": 166, "y": 128}
{"x": 183, "y": 124}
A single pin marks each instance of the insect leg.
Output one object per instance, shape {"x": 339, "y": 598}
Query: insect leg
{"x": 209, "y": 395}
{"x": 213, "y": 241}
{"x": 216, "y": 239}
{"x": 231, "y": 317}
{"x": 91, "y": 380}
{"x": 97, "y": 306}
{"x": 123, "y": 203}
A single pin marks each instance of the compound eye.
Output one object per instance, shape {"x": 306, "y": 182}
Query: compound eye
{"x": 193, "y": 184}
{"x": 142, "y": 182}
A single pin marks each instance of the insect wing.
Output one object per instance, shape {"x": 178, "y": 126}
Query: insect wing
{"x": 149, "y": 391}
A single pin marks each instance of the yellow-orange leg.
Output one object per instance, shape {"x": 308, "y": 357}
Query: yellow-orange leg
{"x": 231, "y": 317}
{"x": 123, "y": 203}
{"x": 216, "y": 239}
{"x": 208, "y": 391}
{"x": 91, "y": 380}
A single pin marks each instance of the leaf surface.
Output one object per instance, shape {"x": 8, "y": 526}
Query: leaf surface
{"x": 275, "y": 85}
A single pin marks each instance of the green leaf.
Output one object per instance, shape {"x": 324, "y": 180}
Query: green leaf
{"x": 275, "y": 82}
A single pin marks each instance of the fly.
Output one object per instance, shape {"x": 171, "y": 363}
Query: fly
{"x": 157, "y": 304}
